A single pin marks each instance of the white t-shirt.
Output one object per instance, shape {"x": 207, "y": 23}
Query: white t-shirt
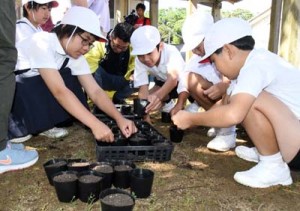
{"x": 206, "y": 70}
{"x": 101, "y": 8}
{"x": 264, "y": 70}
{"x": 170, "y": 59}
{"x": 43, "y": 50}
{"x": 25, "y": 29}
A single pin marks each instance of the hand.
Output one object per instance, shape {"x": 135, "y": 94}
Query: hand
{"x": 216, "y": 91}
{"x": 154, "y": 103}
{"x": 176, "y": 108}
{"x": 102, "y": 133}
{"x": 182, "y": 119}
{"x": 126, "y": 126}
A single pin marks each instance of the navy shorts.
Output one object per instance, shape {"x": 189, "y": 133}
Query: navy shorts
{"x": 295, "y": 163}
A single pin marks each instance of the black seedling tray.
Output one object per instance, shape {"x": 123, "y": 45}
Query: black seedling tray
{"x": 158, "y": 147}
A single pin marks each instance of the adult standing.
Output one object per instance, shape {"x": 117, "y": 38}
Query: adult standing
{"x": 10, "y": 157}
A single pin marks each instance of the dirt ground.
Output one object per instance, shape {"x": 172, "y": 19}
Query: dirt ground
{"x": 194, "y": 179}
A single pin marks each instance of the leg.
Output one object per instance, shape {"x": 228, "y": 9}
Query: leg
{"x": 281, "y": 128}
{"x": 8, "y": 57}
{"x": 196, "y": 85}
{"x": 274, "y": 130}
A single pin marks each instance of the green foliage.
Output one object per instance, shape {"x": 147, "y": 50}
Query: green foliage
{"x": 239, "y": 13}
{"x": 170, "y": 22}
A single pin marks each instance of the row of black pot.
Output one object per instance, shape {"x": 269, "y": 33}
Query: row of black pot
{"x": 102, "y": 175}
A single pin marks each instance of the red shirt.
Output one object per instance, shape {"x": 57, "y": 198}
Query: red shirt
{"x": 141, "y": 21}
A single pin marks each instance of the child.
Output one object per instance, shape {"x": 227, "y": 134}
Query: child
{"x": 265, "y": 99}
{"x": 50, "y": 90}
{"x": 36, "y": 13}
{"x": 161, "y": 60}
{"x": 201, "y": 80}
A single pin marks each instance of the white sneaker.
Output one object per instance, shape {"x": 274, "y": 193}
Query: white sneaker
{"x": 212, "y": 132}
{"x": 21, "y": 139}
{"x": 168, "y": 106}
{"x": 192, "y": 107}
{"x": 222, "y": 143}
{"x": 265, "y": 174}
{"x": 55, "y": 133}
{"x": 247, "y": 153}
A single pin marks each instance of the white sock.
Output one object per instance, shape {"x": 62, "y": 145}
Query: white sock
{"x": 226, "y": 131}
{"x": 275, "y": 158}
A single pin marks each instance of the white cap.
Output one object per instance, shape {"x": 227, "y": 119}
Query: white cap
{"x": 224, "y": 32}
{"x": 83, "y": 18}
{"x": 194, "y": 29}
{"x": 144, "y": 40}
{"x": 54, "y": 3}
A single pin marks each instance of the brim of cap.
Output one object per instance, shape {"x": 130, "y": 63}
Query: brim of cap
{"x": 192, "y": 43}
{"x": 140, "y": 51}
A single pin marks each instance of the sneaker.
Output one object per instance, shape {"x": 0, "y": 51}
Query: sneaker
{"x": 21, "y": 139}
{"x": 212, "y": 132}
{"x": 247, "y": 153}
{"x": 55, "y": 133}
{"x": 222, "y": 143}
{"x": 265, "y": 174}
{"x": 168, "y": 106}
{"x": 192, "y": 107}
{"x": 15, "y": 146}
{"x": 11, "y": 159}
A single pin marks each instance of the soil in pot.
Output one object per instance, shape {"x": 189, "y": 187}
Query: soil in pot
{"x": 116, "y": 200}
{"x": 78, "y": 165}
{"x": 65, "y": 184}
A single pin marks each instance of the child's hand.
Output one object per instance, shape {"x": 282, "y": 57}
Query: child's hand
{"x": 102, "y": 133}
{"x": 155, "y": 103}
{"x": 182, "y": 119}
{"x": 126, "y": 126}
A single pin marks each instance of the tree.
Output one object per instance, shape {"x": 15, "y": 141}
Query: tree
{"x": 170, "y": 22}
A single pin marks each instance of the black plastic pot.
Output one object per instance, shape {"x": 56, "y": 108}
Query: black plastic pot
{"x": 89, "y": 185}
{"x": 122, "y": 170}
{"x": 54, "y": 166}
{"x": 116, "y": 200}
{"x": 141, "y": 181}
{"x": 126, "y": 109}
{"x": 166, "y": 117}
{"x": 65, "y": 183}
{"x": 139, "y": 106}
{"x": 176, "y": 135}
{"x": 105, "y": 168}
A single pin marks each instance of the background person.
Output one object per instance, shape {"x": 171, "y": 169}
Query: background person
{"x": 141, "y": 20}
{"x": 112, "y": 63}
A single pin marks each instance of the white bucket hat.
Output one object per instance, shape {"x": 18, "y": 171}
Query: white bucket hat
{"x": 224, "y": 32}
{"x": 54, "y": 3}
{"x": 144, "y": 40}
{"x": 194, "y": 29}
{"x": 83, "y": 18}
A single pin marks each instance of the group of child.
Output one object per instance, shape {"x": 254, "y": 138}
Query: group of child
{"x": 231, "y": 80}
